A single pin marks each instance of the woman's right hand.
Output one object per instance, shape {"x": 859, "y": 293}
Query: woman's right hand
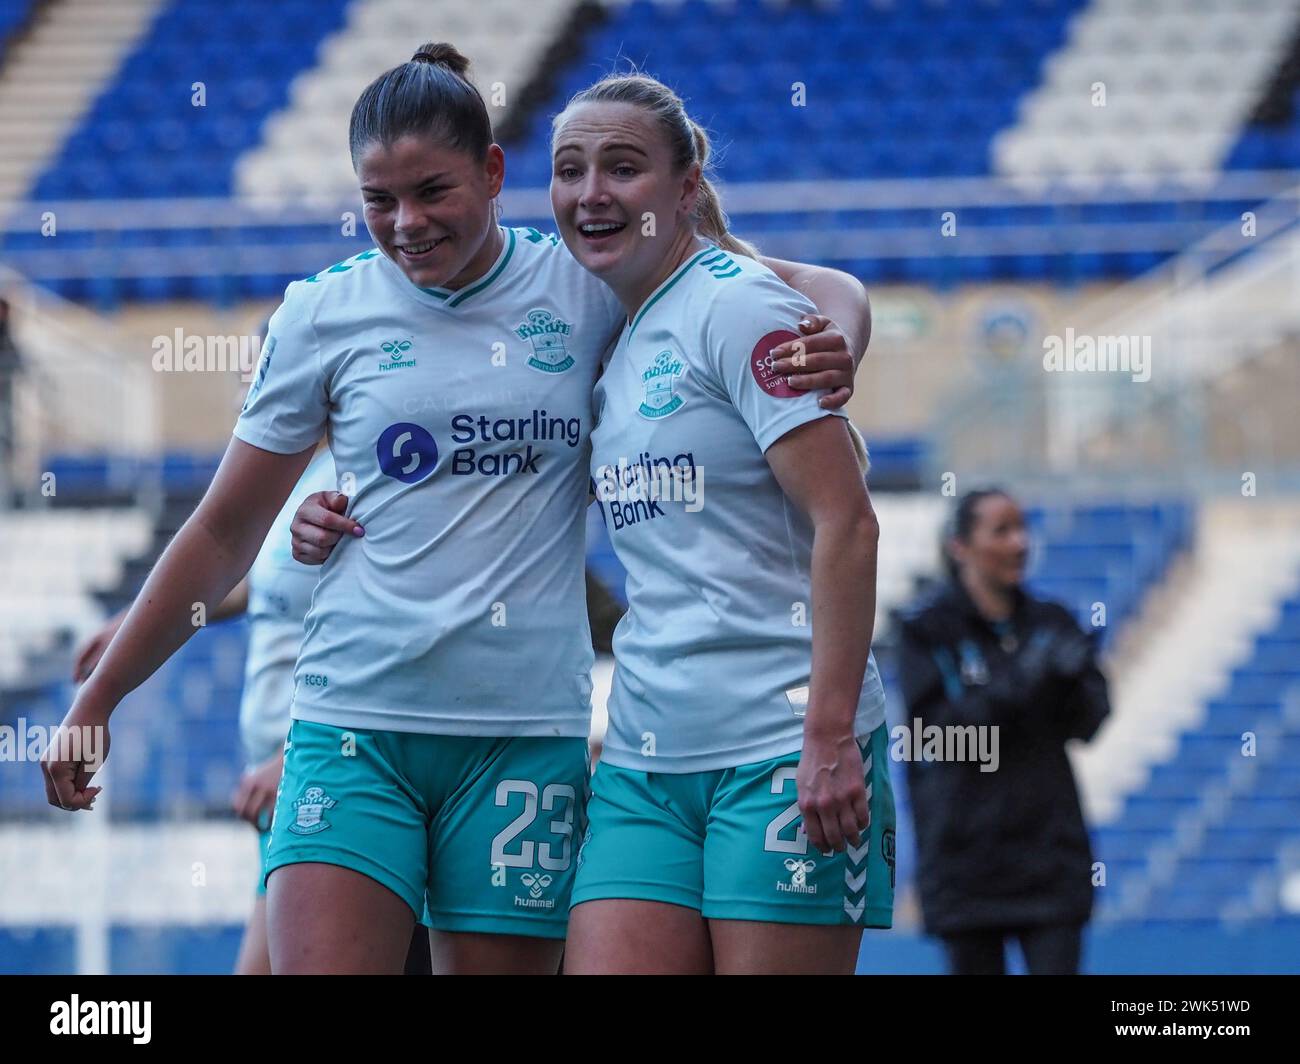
{"x": 254, "y": 798}
{"x": 832, "y": 792}
{"x": 319, "y": 524}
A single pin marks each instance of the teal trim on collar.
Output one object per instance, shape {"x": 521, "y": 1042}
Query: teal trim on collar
{"x": 456, "y": 298}
{"x": 663, "y": 288}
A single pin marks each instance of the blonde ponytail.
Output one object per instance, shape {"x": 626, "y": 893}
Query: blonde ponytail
{"x": 710, "y": 219}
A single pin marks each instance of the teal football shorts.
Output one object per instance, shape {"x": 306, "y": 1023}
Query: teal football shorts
{"x": 730, "y": 843}
{"x": 482, "y": 828}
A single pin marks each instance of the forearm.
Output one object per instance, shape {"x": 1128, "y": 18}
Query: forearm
{"x": 197, "y": 569}
{"x": 844, "y": 611}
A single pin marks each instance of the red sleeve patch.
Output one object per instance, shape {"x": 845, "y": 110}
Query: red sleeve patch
{"x": 760, "y": 365}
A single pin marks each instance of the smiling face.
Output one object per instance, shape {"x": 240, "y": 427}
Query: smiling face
{"x": 429, "y": 208}
{"x": 998, "y": 547}
{"x": 612, "y": 173}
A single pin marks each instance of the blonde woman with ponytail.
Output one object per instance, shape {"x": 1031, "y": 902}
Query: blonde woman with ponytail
{"x": 741, "y": 817}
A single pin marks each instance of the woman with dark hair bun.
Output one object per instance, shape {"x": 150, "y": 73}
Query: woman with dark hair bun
{"x": 1002, "y": 850}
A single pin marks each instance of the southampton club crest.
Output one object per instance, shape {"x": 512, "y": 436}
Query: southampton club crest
{"x": 547, "y": 333}
{"x": 309, "y": 807}
{"x": 661, "y": 380}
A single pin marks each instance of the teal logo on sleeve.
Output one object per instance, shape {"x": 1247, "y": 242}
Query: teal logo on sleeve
{"x": 546, "y": 333}
{"x": 309, "y": 810}
{"x": 661, "y": 380}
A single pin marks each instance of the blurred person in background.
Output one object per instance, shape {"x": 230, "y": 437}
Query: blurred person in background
{"x": 1002, "y": 849}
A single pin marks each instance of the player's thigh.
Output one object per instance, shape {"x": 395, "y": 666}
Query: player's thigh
{"x": 349, "y": 836}
{"x": 502, "y": 851}
{"x": 752, "y": 947}
{"x": 325, "y": 919}
{"x": 625, "y": 936}
{"x": 254, "y": 954}
{"x": 640, "y": 876}
{"x": 468, "y": 953}
{"x": 346, "y": 799}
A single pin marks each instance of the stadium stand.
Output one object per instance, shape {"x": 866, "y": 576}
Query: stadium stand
{"x": 142, "y": 136}
{"x": 1113, "y": 99}
{"x": 1271, "y": 140}
{"x": 52, "y": 73}
{"x": 52, "y": 564}
{"x": 1212, "y": 833}
{"x": 301, "y": 152}
{"x": 13, "y": 15}
{"x": 149, "y": 136}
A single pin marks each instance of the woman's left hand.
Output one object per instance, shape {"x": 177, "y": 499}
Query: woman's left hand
{"x": 819, "y": 359}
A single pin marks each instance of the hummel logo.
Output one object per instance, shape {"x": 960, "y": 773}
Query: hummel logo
{"x": 395, "y": 350}
{"x": 798, "y": 877}
{"x": 536, "y": 884}
{"x": 536, "y": 887}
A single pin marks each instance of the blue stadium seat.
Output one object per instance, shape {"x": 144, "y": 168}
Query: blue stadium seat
{"x": 246, "y": 57}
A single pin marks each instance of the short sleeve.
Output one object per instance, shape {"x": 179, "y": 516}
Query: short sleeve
{"x": 749, "y": 317}
{"x": 287, "y": 406}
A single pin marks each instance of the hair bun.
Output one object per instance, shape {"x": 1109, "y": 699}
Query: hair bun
{"x": 442, "y": 54}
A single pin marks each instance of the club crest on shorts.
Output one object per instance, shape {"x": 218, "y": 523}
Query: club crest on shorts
{"x": 546, "y": 332}
{"x": 661, "y": 380}
{"x": 309, "y": 809}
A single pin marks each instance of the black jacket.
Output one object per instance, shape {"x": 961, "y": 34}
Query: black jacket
{"x": 1005, "y": 848}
